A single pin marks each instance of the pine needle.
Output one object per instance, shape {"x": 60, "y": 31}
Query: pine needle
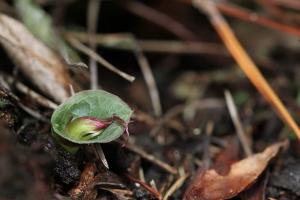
{"x": 245, "y": 62}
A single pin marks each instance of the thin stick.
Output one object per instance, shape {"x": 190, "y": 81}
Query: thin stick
{"x": 160, "y": 19}
{"x": 151, "y": 158}
{"x": 26, "y": 90}
{"x": 246, "y": 15}
{"x": 33, "y": 113}
{"x": 147, "y": 187}
{"x": 86, "y": 50}
{"x": 149, "y": 78}
{"x": 16, "y": 99}
{"x": 177, "y": 184}
{"x": 245, "y": 62}
{"x": 117, "y": 41}
{"x": 237, "y": 123}
{"x": 270, "y": 7}
{"x": 92, "y": 21}
{"x": 179, "y": 47}
{"x": 293, "y": 4}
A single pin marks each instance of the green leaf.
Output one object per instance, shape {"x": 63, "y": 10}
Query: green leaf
{"x": 92, "y": 103}
{"x": 40, "y": 24}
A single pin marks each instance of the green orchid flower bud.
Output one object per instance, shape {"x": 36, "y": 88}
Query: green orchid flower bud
{"x": 86, "y": 127}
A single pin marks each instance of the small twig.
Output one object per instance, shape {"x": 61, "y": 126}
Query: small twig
{"x": 33, "y": 113}
{"x": 84, "y": 49}
{"x": 151, "y": 158}
{"x": 160, "y": 19}
{"x": 149, "y": 78}
{"x": 179, "y": 47}
{"x": 237, "y": 123}
{"x": 271, "y": 7}
{"x": 92, "y": 21}
{"x": 147, "y": 187}
{"x": 245, "y": 62}
{"x": 177, "y": 184}
{"x": 16, "y": 99}
{"x": 26, "y": 90}
{"x": 246, "y": 15}
{"x": 120, "y": 41}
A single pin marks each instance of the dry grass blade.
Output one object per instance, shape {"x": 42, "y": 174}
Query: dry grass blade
{"x": 177, "y": 184}
{"x": 100, "y": 154}
{"x": 149, "y": 78}
{"x": 246, "y": 15}
{"x": 245, "y": 62}
{"x": 84, "y": 49}
{"x": 92, "y": 21}
{"x": 40, "y": 64}
{"x": 179, "y": 47}
{"x": 147, "y": 187}
{"x": 151, "y": 158}
{"x": 237, "y": 123}
{"x": 117, "y": 41}
{"x": 160, "y": 19}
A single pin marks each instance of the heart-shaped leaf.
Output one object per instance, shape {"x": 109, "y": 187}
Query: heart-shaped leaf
{"x": 91, "y": 103}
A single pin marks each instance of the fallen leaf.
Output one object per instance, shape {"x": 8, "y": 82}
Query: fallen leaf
{"x": 227, "y": 157}
{"x": 39, "y": 63}
{"x": 209, "y": 185}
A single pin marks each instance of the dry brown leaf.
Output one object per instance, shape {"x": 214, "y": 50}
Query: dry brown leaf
{"x": 227, "y": 157}
{"x": 209, "y": 185}
{"x": 40, "y": 64}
